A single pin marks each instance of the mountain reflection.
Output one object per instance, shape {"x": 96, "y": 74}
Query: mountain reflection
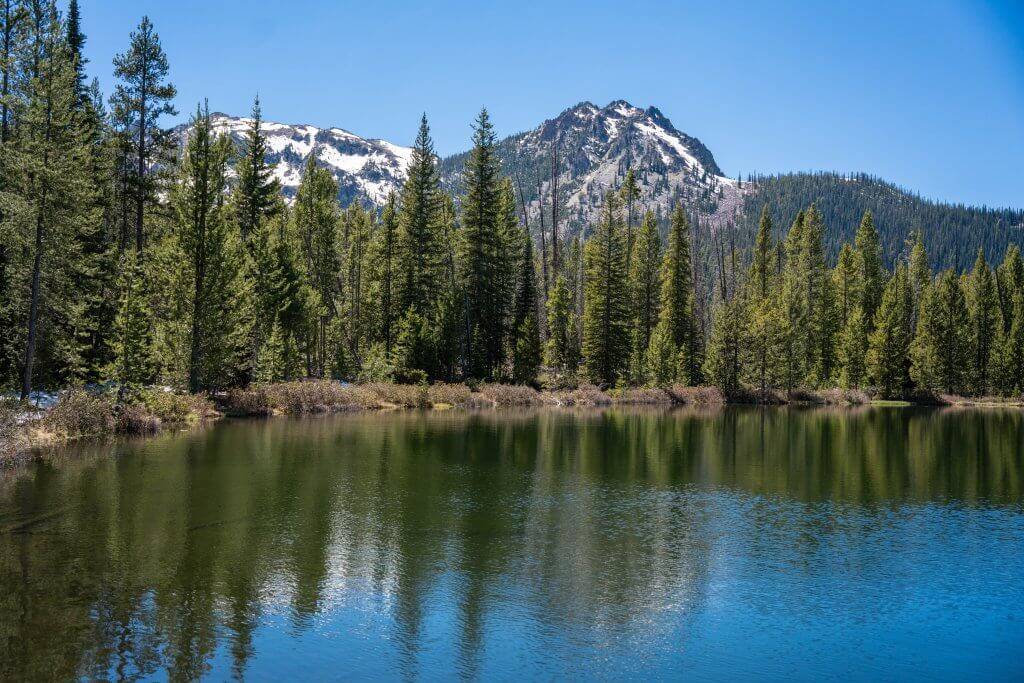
{"x": 448, "y": 532}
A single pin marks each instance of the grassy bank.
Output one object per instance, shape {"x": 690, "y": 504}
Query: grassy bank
{"x": 296, "y": 398}
{"x": 78, "y": 414}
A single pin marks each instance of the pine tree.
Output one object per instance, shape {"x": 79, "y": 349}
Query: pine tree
{"x": 869, "y": 262}
{"x": 214, "y": 258}
{"x": 1009, "y": 368}
{"x": 940, "y": 353}
{"x": 420, "y": 283}
{"x": 1010, "y": 281}
{"x": 789, "y": 313}
{"x": 133, "y": 365}
{"x": 482, "y": 251}
{"x": 356, "y": 236}
{"x": 722, "y": 365}
{"x": 93, "y": 270}
{"x": 759, "y": 335}
{"x": 677, "y": 343}
{"x": 420, "y": 224}
{"x": 920, "y": 271}
{"x": 846, "y": 284}
{"x": 762, "y": 265}
{"x": 257, "y": 196}
{"x": 853, "y": 348}
{"x": 14, "y": 18}
{"x": 315, "y": 214}
{"x": 76, "y": 44}
{"x": 293, "y": 303}
{"x": 789, "y": 320}
{"x": 644, "y": 291}
{"x": 526, "y": 352}
{"x": 818, "y": 300}
{"x": 139, "y": 100}
{"x": 48, "y": 163}
{"x": 606, "y": 309}
{"x": 983, "y": 305}
{"x": 562, "y": 352}
{"x": 382, "y": 274}
{"x": 888, "y": 358}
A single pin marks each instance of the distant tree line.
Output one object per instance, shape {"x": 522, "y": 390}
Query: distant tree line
{"x": 123, "y": 261}
{"x": 953, "y": 232}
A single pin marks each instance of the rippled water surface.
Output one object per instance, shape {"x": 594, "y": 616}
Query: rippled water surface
{"x": 879, "y": 544}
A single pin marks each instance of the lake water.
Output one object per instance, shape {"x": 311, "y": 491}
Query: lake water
{"x": 738, "y": 544}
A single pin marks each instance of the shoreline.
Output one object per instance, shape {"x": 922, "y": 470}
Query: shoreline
{"x": 76, "y": 414}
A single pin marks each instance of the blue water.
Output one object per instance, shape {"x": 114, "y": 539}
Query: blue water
{"x": 736, "y": 545}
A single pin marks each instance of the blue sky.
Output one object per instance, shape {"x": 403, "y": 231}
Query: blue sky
{"x": 925, "y": 93}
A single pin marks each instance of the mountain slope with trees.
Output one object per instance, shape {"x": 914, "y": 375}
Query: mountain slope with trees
{"x": 953, "y": 232}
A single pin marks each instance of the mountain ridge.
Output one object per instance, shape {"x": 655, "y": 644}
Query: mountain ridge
{"x": 595, "y": 146}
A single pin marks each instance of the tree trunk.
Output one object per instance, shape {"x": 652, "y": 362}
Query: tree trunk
{"x": 33, "y": 315}
{"x": 554, "y": 206}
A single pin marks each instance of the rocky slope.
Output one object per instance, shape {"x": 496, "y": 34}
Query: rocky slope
{"x": 594, "y": 147}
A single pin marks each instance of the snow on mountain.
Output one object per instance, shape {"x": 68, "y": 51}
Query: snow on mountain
{"x": 365, "y": 169}
{"x": 595, "y": 148}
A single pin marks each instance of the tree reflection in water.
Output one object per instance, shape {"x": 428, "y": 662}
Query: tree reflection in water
{"x": 412, "y": 541}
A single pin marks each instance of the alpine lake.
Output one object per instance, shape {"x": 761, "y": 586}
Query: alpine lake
{"x": 865, "y": 544}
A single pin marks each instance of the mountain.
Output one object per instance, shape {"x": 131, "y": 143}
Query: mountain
{"x": 953, "y": 233}
{"x": 595, "y": 146}
{"x": 365, "y": 169}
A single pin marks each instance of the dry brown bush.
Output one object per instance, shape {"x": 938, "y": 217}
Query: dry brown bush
{"x": 401, "y": 395}
{"x": 843, "y": 397}
{"x": 448, "y": 394}
{"x": 78, "y": 413}
{"x": 251, "y": 401}
{"x": 698, "y": 396}
{"x": 641, "y": 396}
{"x": 135, "y": 418}
{"x": 506, "y": 395}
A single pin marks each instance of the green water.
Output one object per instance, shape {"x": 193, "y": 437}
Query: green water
{"x": 872, "y": 544}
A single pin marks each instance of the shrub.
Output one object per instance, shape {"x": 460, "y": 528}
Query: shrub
{"x": 135, "y": 418}
{"x": 582, "y": 395}
{"x": 448, "y": 394}
{"x": 253, "y": 400}
{"x": 168, "y": 406}
{"x": 402, "y": 395}
{"x": 641, "y": 396}
{"x": 12, "y": 438}
{"x": 510, "y": 394}
{"x": 477, "y": 400}
{"x": 78, "y": 413}
{"x": 699, "y": 396}
{"x": 843, "y": 397}
{"x": 313, "y": 396}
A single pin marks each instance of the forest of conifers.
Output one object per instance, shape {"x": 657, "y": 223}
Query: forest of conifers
{"x": 124, "y": 263}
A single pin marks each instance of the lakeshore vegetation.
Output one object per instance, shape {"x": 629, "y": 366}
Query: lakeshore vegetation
{"x": 129, "y": 258}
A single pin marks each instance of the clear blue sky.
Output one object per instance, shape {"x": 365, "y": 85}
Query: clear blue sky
{"x": 925, "y": 93}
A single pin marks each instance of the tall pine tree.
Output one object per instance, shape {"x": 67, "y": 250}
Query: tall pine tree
{"x": 606, "y": 312}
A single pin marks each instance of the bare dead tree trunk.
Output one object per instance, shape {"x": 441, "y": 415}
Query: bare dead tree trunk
{"x": 543, "y": 241}
{"x": 554, "y": 206}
